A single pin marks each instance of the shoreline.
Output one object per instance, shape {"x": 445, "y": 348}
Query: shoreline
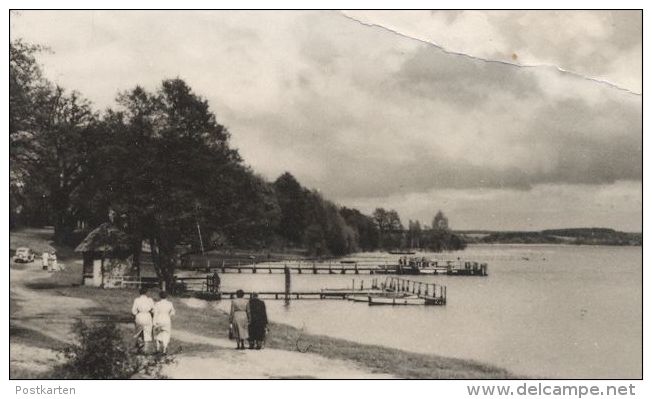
{"x": 43, "y": 307}
{"x": 334, "y": 357}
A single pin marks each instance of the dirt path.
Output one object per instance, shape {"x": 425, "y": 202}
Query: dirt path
{"x": 225, "y": 362}
{"x": 42, "y": 312}
{"x": 53, "y": 316}
{"x": 50, "y": 315}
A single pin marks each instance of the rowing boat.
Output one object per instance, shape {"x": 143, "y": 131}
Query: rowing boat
{"x": 409, "y": 300}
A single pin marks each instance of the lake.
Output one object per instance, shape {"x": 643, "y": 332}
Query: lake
{"x": 550, "y": 311}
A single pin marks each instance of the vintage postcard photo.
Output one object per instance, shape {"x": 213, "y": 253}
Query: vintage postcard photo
{"x": 325, "y": 194}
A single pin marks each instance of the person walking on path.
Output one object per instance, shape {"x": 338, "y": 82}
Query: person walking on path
{"x": 142, "y": 311}
{"x": 239, "y": 320}
{"x": 257, "y": 315}
{"x": 163, "y": 312}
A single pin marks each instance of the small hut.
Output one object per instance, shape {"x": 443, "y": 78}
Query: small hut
{"x": 107, "y": 257}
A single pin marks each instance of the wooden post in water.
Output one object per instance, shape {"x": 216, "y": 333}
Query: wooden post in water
{"x": 314, "y": 268}
{"x": 287, "y": 284}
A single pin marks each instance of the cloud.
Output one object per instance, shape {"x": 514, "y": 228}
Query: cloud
{"x": 361, "y": 113}
{"x": 604, "y": 45}
{"x": 616, "y": 205}
{"x": 436, "y": 120}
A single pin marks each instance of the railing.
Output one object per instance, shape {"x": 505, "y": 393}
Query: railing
{"x": 131, "y": 282}
{"x": 430, "y": 290}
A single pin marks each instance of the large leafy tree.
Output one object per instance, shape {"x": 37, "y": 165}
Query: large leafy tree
{"x": 66, "y": 149}
{"x": 49, "y": 142}
{"x": 294, "y": 202}
{"x": 26, "y": 88}
{"x": 389, "y": 226}
{"x": 365, "y": 227}
{"x": 170, "y": 168}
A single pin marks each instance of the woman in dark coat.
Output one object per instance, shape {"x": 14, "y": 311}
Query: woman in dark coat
{"x": 257, "y": 315}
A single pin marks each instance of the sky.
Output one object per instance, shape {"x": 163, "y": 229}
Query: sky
{"x": 504, "y": 120}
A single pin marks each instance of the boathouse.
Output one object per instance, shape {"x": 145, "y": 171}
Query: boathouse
{"x": 107, "y": 257}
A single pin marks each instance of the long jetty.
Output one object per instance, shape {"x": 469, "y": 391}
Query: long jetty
{"x": 451, "y": 268}
{"x": 430, "y": 293}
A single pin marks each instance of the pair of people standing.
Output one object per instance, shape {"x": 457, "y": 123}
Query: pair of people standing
{"x": 49, "y": 261}
{"x": 248, "y": 320}
{"x": 153, "y": 320}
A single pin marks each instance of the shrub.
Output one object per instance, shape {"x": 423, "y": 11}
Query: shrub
{"x": 101, "y": 352}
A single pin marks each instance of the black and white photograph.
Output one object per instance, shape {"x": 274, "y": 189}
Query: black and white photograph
{"x": 326, "y": 194}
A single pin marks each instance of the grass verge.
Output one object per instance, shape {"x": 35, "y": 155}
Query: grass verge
{"x": 214, "y": 323}
{"x": 115, "y": 304}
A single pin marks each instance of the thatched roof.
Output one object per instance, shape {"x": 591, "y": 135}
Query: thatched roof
{"x": 105, "y": 238}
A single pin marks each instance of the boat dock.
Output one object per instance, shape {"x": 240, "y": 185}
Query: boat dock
{"x": 391, "y": 291}
{"x": 450, "y": 268}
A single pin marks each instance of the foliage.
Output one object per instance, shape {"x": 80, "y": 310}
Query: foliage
{"x": 294, "y": 204}
{"x": 49, "y": 143}
{"x": 170, "y": 169}
{"x": 26, "y": 88}
{"x": 389, "y": 227}
{"x": 161, "y": 162}
{"x": 101, "y": 352}
{"x": 365, "y": 228}
{"x": 443, "y": 240}
{"x": 310, "y": 221}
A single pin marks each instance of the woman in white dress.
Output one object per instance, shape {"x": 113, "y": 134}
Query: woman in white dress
{"x": 54, "y": 266}
{"x": 163, "y": 312}
{"x": 142, "y": 310}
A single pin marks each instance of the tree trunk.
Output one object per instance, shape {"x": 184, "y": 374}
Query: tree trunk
{"x": 156, "y": 261}
{"x": 136, "y": 249}
{"x": 164, "y": 265}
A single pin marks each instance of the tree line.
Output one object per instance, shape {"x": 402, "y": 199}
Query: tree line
{"x": 162, "y": 163}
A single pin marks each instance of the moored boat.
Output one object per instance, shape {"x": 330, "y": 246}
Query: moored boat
{"x": 408, "y": 300}
{"x": 402, "y": 252}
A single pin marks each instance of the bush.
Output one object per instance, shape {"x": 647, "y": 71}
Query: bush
{"x": 101, "y": 352}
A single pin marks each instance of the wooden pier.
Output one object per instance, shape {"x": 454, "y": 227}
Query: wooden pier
{"x": 450, "y": 268}
{"x": 393, "y": 287}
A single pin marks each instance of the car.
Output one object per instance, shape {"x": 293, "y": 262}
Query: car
{"x": 24, "y": 255}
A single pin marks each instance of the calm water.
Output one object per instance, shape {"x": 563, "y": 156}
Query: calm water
{"x": 545, "y": 310}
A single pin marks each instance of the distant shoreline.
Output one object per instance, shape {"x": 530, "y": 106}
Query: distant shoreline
{"x": 572, "y": 236}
